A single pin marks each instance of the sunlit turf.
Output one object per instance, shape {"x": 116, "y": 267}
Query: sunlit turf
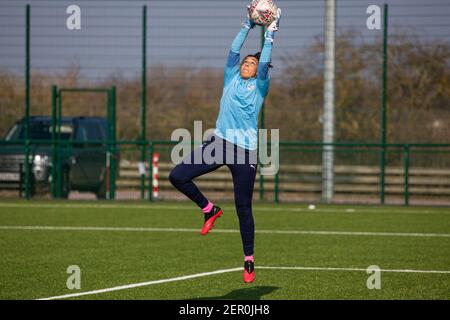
{"x": 34, "y": 262}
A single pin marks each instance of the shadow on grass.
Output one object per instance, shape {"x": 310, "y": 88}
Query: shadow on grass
{"x": 251, "y": 293}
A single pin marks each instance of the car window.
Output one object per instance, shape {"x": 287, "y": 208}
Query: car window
{"x": 94, "y": 132}
{"x": 38, "y": 131}
{"x": 89, "y": 131}
{"x": 81, "y": 133}
{"x": 103, "y": 129}
{"x": 66, "y": 131}
{"x": 13, "y": 133}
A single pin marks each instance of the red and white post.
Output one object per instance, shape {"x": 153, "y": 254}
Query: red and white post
{"x": 155, "y": 161}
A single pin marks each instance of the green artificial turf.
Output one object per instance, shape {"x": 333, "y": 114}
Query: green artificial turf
{"x": 34, "y": 262}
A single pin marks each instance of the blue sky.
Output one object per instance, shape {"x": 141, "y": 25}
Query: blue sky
{"x": 195, "y": 33}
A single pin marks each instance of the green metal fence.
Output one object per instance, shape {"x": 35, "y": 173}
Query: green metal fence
{"x": 58, "y": 144}
{"x": 414, "y": 171}
{"x": 357, "y": 161}
{"x": 381, "y": 163}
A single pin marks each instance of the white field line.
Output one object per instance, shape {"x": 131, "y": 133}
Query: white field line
{"x": 353, "y": 269}
{"x": 205, "y": 274}
{"x": 142, "y": 284}
{"x": 255, "y": 208}
{"x": 300, "y": 232}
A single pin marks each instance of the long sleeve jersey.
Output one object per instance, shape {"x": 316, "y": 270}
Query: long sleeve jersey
{"x": 242, "y": 99}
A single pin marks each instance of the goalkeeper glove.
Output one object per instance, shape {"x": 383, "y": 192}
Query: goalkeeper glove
{"x": 249, "y": 24}
{"x": 273, "y": 27}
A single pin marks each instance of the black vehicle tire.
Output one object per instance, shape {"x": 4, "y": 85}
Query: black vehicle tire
{"x": 65, "y": 188}
{"x": 31, "y": 184}
{"x": 33, "y": 188}
{"x": 101, "y": 192}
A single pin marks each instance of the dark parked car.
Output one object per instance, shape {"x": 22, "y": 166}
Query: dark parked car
{"x": 82, "y": 164}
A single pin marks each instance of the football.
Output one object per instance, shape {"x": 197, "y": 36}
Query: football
{"x": 263, "y": 12}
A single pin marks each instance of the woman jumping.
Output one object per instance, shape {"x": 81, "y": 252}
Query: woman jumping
{"x": 234, "y": 142}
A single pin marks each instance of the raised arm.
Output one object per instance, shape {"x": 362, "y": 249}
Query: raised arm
{"x": 263, "y": 79}
{"x": 232, "y": 66}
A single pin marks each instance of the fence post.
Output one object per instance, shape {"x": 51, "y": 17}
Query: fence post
{"x": 406, "y": 168}
{"x": 155, "y": 178}
{"x": 114, "y": 163}
{"x": 143, "y": 94}
{"x": 277, "y": 190}
{"x": 58, "y": 144}
{"x": 54, "y": 155}
{"x": 383, "y": 106}
{"x": 329, "y": 102}
{"x": 27, "y": 103}
{"x": 20, "y": 179}
{"x": 108, "y": 172}
{"x": 109, "y": 144}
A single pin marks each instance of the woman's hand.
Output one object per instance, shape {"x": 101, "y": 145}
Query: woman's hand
{"x": 273, "y": 27}
{"x": 249, "y": 24}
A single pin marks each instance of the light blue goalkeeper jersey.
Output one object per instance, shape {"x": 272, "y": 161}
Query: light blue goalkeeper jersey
{"x": 242, "y": 99}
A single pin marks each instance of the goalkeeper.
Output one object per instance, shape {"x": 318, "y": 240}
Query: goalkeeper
{"x": 246, "y": 84}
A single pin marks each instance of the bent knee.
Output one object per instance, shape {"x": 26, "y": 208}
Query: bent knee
{"x": 175, "y": 177}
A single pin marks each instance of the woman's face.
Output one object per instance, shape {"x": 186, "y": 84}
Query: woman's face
{"x": 249, "y": 67}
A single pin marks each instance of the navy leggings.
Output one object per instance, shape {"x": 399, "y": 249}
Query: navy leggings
{"x": 243, "y": 171}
